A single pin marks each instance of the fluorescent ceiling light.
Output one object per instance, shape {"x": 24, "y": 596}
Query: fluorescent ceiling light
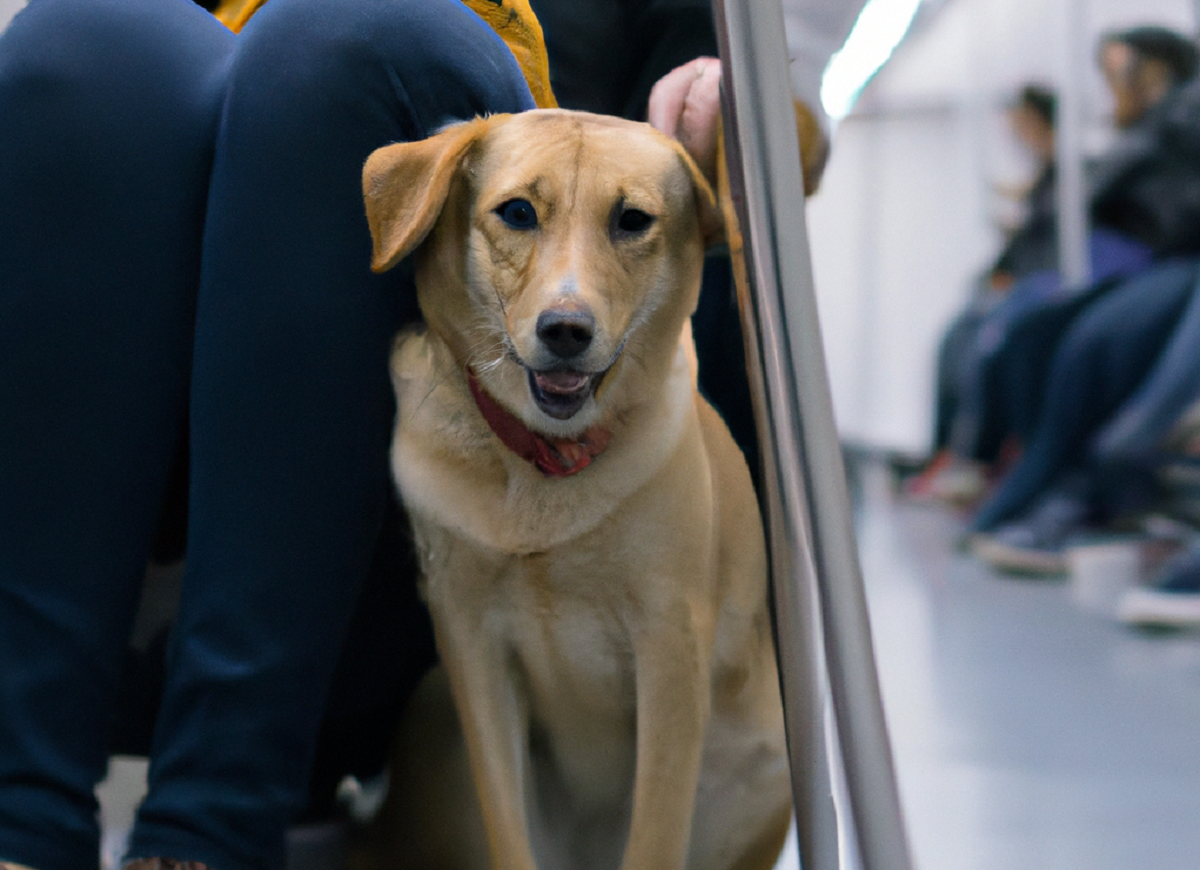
{"x": 879, "y": 29}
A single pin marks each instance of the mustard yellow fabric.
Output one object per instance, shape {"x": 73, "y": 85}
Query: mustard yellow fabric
{"x": 235, "y": 13}
{"x": 516, "y": 24}
{"x": 513, "y": 21}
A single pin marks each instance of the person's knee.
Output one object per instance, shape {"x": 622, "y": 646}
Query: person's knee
{"x": 109, "y": 71}
{"x": 82, "y": 44}
{"x": 109, "y": 111}
{"x": 433, "y": 60}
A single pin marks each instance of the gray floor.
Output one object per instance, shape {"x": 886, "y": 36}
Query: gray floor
{"x": 1028, "y": 732}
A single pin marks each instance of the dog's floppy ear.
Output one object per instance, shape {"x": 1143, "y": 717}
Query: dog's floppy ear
{"x": 405, "y": 187}
{"x": 712, "y": 225}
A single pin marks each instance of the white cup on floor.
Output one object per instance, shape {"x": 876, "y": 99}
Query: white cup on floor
{"x": 1102, "y": 573}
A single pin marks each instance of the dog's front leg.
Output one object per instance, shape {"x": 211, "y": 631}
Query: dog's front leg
{"x": 494, "y": 719}
{"x": 673, "y": 706}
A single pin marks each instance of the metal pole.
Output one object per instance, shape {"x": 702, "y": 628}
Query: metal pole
{"x": 1071, "y": 193}
{"x": 820, "y": 604}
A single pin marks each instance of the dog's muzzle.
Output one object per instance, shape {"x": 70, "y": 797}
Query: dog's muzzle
{"x": 560, "y": 390}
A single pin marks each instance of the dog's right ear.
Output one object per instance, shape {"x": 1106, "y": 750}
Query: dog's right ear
{"x": 405, "y": 187}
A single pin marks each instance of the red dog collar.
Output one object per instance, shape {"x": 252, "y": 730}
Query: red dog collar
{"x": 554, "y": 457}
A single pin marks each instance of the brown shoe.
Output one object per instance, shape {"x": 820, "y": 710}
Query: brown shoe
{"x": 165, "y": 864}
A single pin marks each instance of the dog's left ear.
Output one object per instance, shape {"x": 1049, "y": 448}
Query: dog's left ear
{"x": 712, "y": 224}
{"x": 405, "y": 187}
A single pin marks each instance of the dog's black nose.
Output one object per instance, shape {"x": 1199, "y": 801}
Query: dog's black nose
{"x": 566, "y": 333}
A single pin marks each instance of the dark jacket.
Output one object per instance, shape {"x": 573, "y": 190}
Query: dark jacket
{"x": 1148, "y": 186}
{"x": 1034, "y": 245}
{"x": 635, "y": 43}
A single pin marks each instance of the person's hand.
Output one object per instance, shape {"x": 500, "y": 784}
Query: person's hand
{"x": 686, "y": 105}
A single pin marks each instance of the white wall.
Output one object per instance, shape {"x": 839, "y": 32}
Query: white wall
{"x": 8, "y": 8}
{"x": 906, "y": 214}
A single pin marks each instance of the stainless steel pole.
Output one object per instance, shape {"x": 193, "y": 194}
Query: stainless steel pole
{"x": 820, "y": 604}
{"x": 1071, "y": 193}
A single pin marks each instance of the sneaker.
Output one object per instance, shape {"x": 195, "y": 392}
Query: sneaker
{"x": 1035, "y": 544}
{"x": 949, "y": 479}
{"x": 1013, "y": 550}
{"x": 1156, "y": 608}
{"x": 165, "y": 864}
{"x": 1172, "y": 601}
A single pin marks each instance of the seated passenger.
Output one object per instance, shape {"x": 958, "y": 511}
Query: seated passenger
{"x": 1146, "y": 205}
{"x": 1058, "y": 488}
{"x": 1032, "y": 245}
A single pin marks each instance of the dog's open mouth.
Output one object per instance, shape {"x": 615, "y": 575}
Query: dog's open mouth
{"x": 561, "y": 394}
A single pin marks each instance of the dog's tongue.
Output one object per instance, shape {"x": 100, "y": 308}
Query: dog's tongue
{"x": 561, "y": 382}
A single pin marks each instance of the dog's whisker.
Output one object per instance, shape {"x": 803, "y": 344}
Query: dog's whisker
{"x": 492, "y": 364}
{"x": 490, "y": 351}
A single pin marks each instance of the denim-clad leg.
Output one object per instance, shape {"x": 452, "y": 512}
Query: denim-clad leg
{"x": 982, "y": 419}
{"x": 1102, "y": 359}
{"x": 292, "y": 408}
{"x": 108, "y": 113}
{"x": 1136, "y": 432}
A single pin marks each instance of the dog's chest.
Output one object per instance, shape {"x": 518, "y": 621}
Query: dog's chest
{"x": 558, "y": 616}
{"x": 572, "y": 655}
{"x": 555, "y": 620}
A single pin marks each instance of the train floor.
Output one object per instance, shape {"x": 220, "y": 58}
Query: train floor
{"x": 1028, "y": 731}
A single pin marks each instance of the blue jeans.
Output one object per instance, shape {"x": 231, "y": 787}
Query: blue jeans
{"x": 1104, "y": 356}
{"x": 181, "y": 231}
{"x": 983, "y": 410}
{"x": 1136, "y": 432}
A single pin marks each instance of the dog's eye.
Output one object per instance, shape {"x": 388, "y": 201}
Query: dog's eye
{"x": 634, "y": 220}
{"x": 518, "y": 214}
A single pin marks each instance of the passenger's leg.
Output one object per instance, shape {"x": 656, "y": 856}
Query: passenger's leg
{"x": 292, "y": 408}
{"x": 1024, "y": 363}
{"x": 1103, "y": 357}
{"x": 1138, "y": 430}
{"x": 108, "y": 110}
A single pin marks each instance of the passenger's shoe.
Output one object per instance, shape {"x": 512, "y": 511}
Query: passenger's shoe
{"x": 1172, "y": 601}
{"x": 165, "y": 864}
{"x": 950, "y": 480}
{"x": 1012, "y": 550}
{"x": 1156, "y": 608}
{"x": 1035, "y": 544}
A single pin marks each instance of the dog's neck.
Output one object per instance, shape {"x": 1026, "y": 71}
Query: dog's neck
{"x": 554, "y": 457}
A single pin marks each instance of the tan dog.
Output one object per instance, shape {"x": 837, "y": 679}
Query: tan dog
{"x": 592, "y": 551}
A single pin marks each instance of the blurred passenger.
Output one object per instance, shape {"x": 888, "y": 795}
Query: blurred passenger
{"x": 1031, "y": 246}
{"x": 1145, "y": 205}
{"x": 1113, "y": 336}
{"x": 974, "y": 422}
{"x": 1156, "y": 437}
{"x": 1056, "y": 489}
{"x": 1147, "y": 185}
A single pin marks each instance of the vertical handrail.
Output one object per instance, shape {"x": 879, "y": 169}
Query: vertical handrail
{"x": 824, "y": 636}
{"x": 1070, "y": 189}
